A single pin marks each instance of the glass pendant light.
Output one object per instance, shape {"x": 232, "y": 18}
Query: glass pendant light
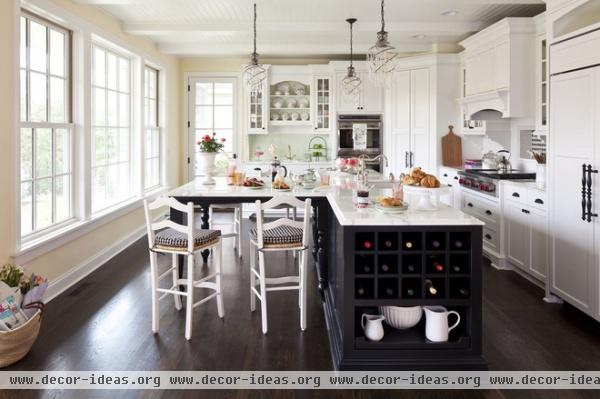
{"x": 381, "y": 57}
{"x": 351, "y": 82}
{"x": 254, "y": 73}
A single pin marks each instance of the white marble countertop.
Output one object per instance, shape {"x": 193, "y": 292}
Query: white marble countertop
{"x": 341, "y": 203}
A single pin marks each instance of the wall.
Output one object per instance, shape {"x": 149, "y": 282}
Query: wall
{"x": 64, "y": 259}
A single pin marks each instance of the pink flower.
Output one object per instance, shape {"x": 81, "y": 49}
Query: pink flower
{"x": 222, "y": 139}
{"x": 206, "y": 138}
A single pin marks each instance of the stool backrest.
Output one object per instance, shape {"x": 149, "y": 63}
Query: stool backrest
{"x": 276, "y": 202}
{"x": 187, "y": 228}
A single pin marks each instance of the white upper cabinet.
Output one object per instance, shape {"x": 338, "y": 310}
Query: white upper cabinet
{"x": 499, "y": 69}
{"x": 257, "y": 108}
{"x": 541, "y": 75}
{"x": 322, "y": 101}
{"x": 369, "y": 99}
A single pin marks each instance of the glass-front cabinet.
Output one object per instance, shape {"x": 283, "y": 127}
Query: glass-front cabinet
{"x": 257, "y": 112}
{"x": 322, "y": 100}
{"x": 290, "y": 102}
{"x": 542, "y": 84}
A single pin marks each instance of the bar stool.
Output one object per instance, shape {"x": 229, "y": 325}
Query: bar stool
{"x": 236, "y": 224}
{"x": 281, "y": 235}
{"x": 178, "y": 239}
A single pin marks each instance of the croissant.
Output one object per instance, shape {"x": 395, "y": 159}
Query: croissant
{"x": 409, "y": 180}
{"x": 417, "y": 173}
{"x": 430, "y": 181}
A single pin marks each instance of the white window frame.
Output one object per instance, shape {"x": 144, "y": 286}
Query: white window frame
{"x": 155, "y": 128}
{"x": 189, "y": 79}
{"x": 53, "y": 126}
{"x": 84, "y": 34}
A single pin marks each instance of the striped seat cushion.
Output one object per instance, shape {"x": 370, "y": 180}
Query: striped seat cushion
{"x": 280, "y": 235}
{"x": 174, "y": 239}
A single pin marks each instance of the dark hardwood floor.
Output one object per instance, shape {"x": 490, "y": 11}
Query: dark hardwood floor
{"x": 103, "y": 323}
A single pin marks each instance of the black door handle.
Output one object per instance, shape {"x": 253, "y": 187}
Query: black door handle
{"x": 445, "y": 174}
{"x": 455, "y": 177}
{"x": 406, "y": 159}
{"x": 470, "y": 205}
{"x": 583, "y": 183}
{"x": 488, "y": 212}
{"x": 539, "y": 201}
{"x": 487, "y": 236}
{"x": 590, "y": 215}
{"x": 516, "y": 195}
{"x": 524, "y": 211}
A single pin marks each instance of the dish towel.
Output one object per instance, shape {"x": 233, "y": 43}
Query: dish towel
{"x": 359, "y": 136}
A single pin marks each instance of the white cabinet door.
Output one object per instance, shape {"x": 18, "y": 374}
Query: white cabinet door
{"x": 538, "y": 264}
{"x": 321, "y": 104}
{"x": 573, "y": 257}
{"x": 419, "y": 119}
{"x": 517, "y": 229}
{"x": 371, "y": 99}
{"x": 257, "y": 111}
{"x": 501, "y": 66}
{"x": 397, "y": 137}
{"x": 479, "y": 66}
{"x": 346, "y": 103}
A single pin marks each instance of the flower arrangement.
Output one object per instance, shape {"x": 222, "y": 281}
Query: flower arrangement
{"x": 211, "y": 143}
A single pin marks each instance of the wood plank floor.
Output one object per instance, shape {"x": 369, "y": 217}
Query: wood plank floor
{"x": 103, "y": 323}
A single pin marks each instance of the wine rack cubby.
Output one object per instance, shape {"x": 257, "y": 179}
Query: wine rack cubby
{"x": 406, "y": 266}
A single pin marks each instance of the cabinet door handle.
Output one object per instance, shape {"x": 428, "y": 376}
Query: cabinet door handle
{"x": 488, "y": 212}
{"x": 406, "y": 159}
{"x": 455, "y": 177}
{"x": 470, "y": 205}
{"x": 412, "y": 159}
{"x": 583, "y": 183}
{"x": 445, "y": 174}
{"x": 524, "y": 211}
{"x": 516, "y": 195}
{"x": 539, "y": 201}
{"x": 449, "y": 185}
{"x": 589, "y": 212}
{"x": 487, "y": 236}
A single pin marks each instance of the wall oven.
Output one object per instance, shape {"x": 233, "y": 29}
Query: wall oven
{"x": 374, "y": 137}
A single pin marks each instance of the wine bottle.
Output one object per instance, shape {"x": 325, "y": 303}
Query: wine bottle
{"x": 411, "y": 268}
{"x": 367, "y": 244}
{"x": 463, "y": 292}
{"x": 408, "y": 244}
{"x": 389, "y": 292}
{"x": 410, "y": 292}
{"x": 387, "y": 244}
{"x": 430, "y": 287}
{"x": 366, "y": 269}
{"x": 436, "y": 244}
{"x": 438, "y": 267}
{"x": 360, "y": 291}
{"x": 456, "y": 268}
{"x": 458, "y": 244}
{"x": 385, "y": 268}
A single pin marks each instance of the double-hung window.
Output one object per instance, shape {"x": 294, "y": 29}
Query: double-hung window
{"x": 111, "y": 128}
{"x": 45, "y": 125}
{"x": 152, "y": 139}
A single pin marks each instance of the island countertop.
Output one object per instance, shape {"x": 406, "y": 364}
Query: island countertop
{"x": 340, "y": 201}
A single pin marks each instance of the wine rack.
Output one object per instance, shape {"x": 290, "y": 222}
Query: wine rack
{"x": 405, "y": 266}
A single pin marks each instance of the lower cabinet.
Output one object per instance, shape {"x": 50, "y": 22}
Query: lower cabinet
{"x": 526, "y": 232}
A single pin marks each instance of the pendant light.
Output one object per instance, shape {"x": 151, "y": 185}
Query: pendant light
{"x": 381, "y": 57}
{"x": 254, "y": 73}
{"x": 351, "y": 82}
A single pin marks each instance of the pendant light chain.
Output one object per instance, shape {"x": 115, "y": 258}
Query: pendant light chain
{"x": 382, "y": 16}
{"x": 254, "y": 28}
{"x": 351, "y": 48}
{"x": 351, "y": 81}
{"x": 254, "y": 73}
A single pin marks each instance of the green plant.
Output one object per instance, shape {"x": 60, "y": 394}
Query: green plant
{"x": 11, "y": 275}
{"x": 211, "y": 144}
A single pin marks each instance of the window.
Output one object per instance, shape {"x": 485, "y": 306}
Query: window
{"x": 152, "y": 140}
{"x": 212, "y": 108}
{"x": 45, "y": 128}
{"x": 111, "y": 128}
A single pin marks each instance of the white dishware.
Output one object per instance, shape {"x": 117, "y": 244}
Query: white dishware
{"x": 277, "y": 102}
{"x": 304, "y": 116}
{"x": 278, "y": 93}
{"x": 206, "y": 164}
{"x": 303, "y": 103}
{"x": 424, "y": 198}
{"x": 372, "y": 326}
{"x": 285, "y": 116}
{"x": 284, "y": 88}
{"x": 292, "y": 103}
{"x": 300, "y": 91}
{"x": 401, "y": 317}
{"x": 274, "y": 116}
{"x": 436, "y": 323}
{"x": 295, "y": 116}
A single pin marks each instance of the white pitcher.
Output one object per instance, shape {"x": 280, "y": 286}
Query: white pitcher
{"x": 373, "y": 328}
{"x": 436, "y": 323}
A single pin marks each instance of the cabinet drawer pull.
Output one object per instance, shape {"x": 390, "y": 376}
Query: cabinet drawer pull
{"x": 488, "y": 237}
{"x": 449, "y": 185}
{"x": 488, "y": 212}
{"x": 455, "y": 177}
{"x": 470, "y": 205}
{"x": 539, "y": 201}
{"x": 524, "y": 211}
{"x": 445, "y": 174}
{"x": 516, "y": 195}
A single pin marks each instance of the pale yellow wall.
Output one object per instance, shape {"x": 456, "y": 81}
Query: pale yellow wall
{"x": 61, "y": 260}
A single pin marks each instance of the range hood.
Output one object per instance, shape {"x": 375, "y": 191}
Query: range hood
{"x": 496, "y": 100}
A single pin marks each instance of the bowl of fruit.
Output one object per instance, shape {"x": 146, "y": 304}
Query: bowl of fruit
{"x": 254, "y": 183}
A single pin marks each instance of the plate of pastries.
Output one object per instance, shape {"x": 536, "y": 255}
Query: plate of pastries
{"x": 390, "y": 204}
{"x": 419, "y": 178}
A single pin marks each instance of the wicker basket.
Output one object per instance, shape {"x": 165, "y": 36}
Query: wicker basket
{"x": 15, "y": 344}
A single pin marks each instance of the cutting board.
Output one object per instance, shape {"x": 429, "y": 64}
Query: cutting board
{"x": 451, "y": 149}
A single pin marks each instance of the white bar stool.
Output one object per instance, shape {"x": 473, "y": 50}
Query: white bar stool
{"x": 236, "y": 224}
{"x": 281, "y": 235}
{"x": 178, "y": 239}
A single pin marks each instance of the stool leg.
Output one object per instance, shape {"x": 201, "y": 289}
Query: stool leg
{"x": 294, "y": 252}
{"x": 154, "y": 280}
{"x": 263, "y": 291}
{"x": 237, "y": 225}
{"x": 210, "y": 217}
{"x": 219, "y": 262}
{"x": 304, "y": 258}
{"x": 252, "y": 277}
{"x": 189, "y": 306}
{"x": 176, "y": 297}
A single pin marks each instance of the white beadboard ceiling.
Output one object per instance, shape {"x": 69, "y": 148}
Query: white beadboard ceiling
{"x": 291, "y": 28}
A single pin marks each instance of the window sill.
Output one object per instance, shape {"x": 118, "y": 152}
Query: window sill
{"x": 57, "y": 238}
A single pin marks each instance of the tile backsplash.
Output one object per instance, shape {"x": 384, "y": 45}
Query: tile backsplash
{"x": 297, "y": 141}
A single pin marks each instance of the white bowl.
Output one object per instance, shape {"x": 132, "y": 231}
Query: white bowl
{"x": 292, "y": 103}
{"x": 277, "y": 102}
{"x": 295, "y": 116}
{"x": 401, "y": 317}
{"x": 285, "y": 116}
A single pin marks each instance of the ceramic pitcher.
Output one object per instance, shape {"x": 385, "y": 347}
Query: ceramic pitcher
{"x": 436, "y": 323}
{"x": 372, "y": 326}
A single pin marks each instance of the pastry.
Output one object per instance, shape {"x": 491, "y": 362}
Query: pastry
{"x": 409, "y": 180}
{"x": 430, "y": 181}
{"x": 389, "y": 201}
{"x": 417, "y": 173}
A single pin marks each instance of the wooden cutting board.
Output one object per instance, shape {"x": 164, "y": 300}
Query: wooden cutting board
{"x": 451, "y": 149}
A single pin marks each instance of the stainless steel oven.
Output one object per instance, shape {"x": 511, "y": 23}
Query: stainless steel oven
{"x": 374, "y": 133}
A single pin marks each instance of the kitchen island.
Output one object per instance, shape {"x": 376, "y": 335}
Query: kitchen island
{"x": 350, "y": 249}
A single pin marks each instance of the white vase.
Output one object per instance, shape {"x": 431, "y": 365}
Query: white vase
{"x": 540, "y": 176}
{"x": 206, "y": 164}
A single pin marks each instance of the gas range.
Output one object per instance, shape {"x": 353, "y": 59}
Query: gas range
{"x": 486, "y": 180}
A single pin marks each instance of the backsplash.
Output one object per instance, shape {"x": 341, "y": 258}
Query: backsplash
{"x": 297, "y": 142}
